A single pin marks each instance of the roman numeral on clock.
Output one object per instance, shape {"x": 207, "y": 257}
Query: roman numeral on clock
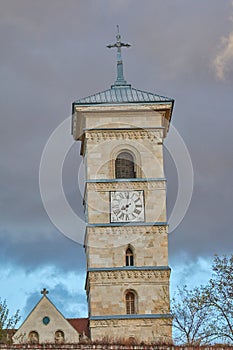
{"x": 136, "y": 211}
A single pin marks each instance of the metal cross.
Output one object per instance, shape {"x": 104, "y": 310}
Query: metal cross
{"x": 118, "y": 43}
{"x": 120, "y": 78}
{"x": 44, "y": 292}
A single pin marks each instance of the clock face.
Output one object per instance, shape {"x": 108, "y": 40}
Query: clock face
{"x": 127, "y": 206}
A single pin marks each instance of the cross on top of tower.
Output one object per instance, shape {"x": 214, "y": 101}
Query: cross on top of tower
{"x": 44, "y": 292}
{"x": 119, "y": 44}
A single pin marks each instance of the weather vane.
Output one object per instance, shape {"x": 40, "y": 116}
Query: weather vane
{"x": 120, "y": 77}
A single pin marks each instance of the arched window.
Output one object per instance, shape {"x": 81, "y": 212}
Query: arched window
{"x": 124, "y": 166}
{"x": 130, "y": 303}
{"x": 129, "y": 258}
{"x": 59, "y": 337}
{"x": 33, "y": 337}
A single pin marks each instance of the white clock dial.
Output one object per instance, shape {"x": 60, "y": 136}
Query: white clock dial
{"x": 127, "y": 206}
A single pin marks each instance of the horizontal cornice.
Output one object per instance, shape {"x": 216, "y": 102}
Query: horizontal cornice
{"x": 134, "y": 316}
{"x": 126, "y": 180}
{"x": 106, "y": 185}
{"x": 120, "y": 224}
{"x": 154, "y": 135}
{"x": 128, "y": 268}
{"x": 143, "y": 275}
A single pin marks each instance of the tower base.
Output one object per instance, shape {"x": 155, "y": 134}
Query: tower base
{"x": 155, "y": 329}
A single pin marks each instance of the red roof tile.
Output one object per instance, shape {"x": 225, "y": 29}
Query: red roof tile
{"x": 80, "y": 324}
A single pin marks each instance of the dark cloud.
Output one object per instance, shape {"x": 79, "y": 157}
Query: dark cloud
{"x": 55, "y": 52}
{"x": 31, "y": 251}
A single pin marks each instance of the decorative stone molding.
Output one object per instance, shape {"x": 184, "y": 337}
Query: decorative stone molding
{"x": 119, "y": 230}
{"x": 158, "y": 107}
{"x": 112, "y": 323}
{"x": 125, "y": 322}
{"x": 108, "y": 323}
{"x": 130, "y": 276}
{"x": 152, "y": 135}
{"x": 137, "y": 185}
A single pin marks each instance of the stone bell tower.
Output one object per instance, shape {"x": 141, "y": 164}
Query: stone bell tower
{"x": 127, "y": 282}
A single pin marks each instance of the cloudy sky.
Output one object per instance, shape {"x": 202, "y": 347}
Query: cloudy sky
{"x": 53, "y": 52}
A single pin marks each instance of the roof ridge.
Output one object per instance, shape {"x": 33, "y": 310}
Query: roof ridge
{"x": 152, "y": 93}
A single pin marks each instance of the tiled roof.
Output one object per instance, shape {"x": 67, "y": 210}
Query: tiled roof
{"x": 122, "y": 94}
{"x": 80, "y": 324}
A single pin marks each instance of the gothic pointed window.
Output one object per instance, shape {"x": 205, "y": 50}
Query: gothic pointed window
{"x": 130, "y": 301}
{"x": 124, "y": 166}
{"x": 129, "y": 258}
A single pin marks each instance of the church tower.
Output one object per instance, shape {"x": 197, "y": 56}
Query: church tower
{"x": 127, "y": 282}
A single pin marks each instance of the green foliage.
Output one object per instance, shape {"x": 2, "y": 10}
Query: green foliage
{"x": 6, "y": 321}
{"x": 205, "y": 314}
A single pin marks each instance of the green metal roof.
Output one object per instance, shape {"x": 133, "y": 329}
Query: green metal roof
{"x": 122, "y": 94}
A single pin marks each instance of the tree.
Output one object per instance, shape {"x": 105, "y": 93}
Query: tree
{"x": 6, "y": 321}
{"x": 218, "y": 297}
{"x": 205, "y": 313}
{"x": 189, "y": 317}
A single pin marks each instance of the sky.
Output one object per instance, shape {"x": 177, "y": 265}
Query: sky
{"x": 54, "y": 52}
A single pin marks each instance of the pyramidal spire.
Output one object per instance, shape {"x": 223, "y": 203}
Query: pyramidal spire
{"x": 120, "y": 76}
